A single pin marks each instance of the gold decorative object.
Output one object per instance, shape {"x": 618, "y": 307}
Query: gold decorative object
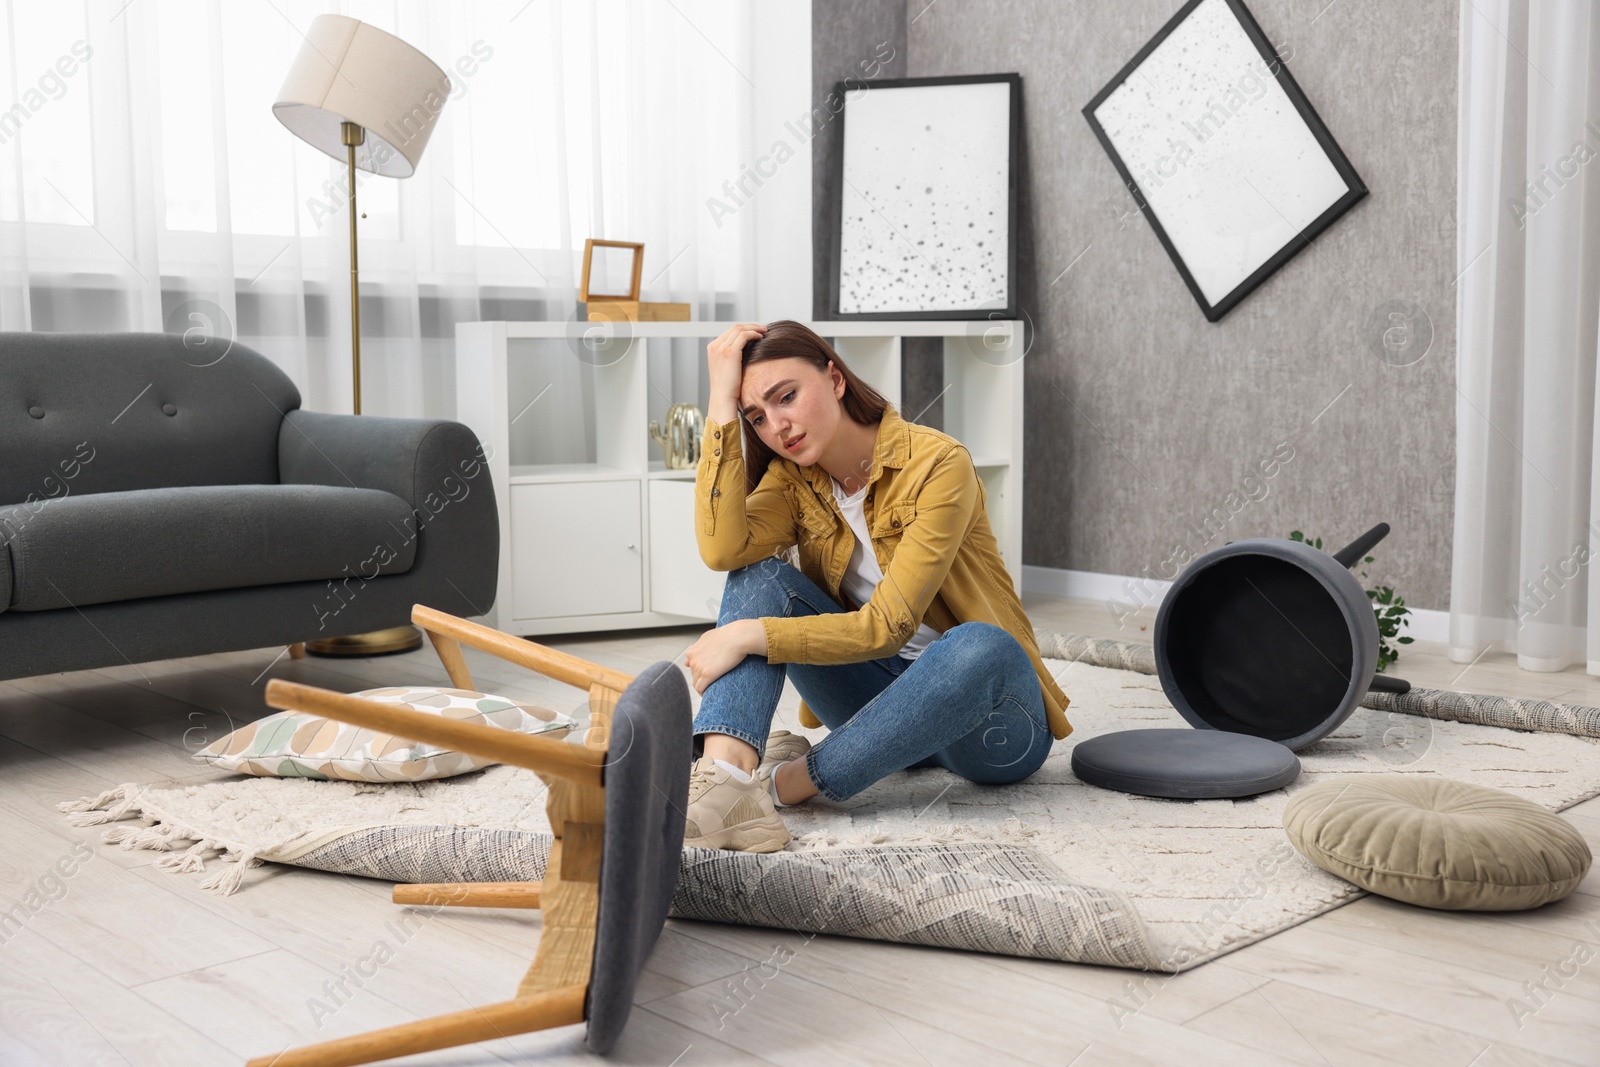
{"x": 681, "y": 441}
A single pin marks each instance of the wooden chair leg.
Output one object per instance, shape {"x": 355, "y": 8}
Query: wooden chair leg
{"x": 553, "y": 991}
{"x": 455, "y": 664}
{"x": 561, "y": 666}
{"x": 539, "y": 754}
{"x": 559, "y": 1007}
{"x": 471, "y": 894}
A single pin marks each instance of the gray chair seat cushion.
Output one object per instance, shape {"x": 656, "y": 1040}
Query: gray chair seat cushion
{"x": 647, "y": 791}
{"x": 1185, "y": 764}
{"x": 99, "y": 548}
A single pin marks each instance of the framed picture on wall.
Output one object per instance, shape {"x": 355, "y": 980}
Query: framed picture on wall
{"x": 925, "y": 216}
{"x": 1223, "y": 153}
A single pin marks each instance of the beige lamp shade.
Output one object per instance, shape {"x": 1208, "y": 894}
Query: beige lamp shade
{"x": 348, "y": 71}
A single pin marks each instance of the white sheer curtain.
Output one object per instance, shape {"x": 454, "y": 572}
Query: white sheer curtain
{"x": 146, "y": 186}
{"x": 1527, "y": 516}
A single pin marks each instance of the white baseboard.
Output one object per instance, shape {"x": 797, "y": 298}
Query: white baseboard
{"x": 1429, "y": 624}
{"x": 1132, "y": 598}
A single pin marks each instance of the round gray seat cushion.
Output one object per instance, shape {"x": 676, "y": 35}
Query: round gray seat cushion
{"x": 1185, "y": 764}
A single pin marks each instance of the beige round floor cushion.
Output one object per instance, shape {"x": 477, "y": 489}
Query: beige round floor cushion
{"x": 1437, "y": 843}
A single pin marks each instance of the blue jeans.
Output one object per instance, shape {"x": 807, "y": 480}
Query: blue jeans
{"x": 970, "y": 703}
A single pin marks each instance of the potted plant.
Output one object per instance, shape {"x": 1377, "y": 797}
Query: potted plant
{"x": 1391, "y": 610}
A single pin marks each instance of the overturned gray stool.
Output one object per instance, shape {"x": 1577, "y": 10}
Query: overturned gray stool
{"x": 1264, "y": 646}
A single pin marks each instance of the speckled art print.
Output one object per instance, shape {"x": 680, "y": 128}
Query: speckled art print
{"x": 1223, "y": 153}
{"x": 926, "y": 208}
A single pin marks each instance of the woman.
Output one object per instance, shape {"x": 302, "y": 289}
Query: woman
{"x": 900, "y": 627}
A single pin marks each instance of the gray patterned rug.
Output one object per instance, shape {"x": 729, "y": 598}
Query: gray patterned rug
{"x": 1048, "y": 867}
{"x": 1005, "y": 899}
{"x": 1546, "y": 715}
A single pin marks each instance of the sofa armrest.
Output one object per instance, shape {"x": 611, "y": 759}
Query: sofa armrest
{"x": 5, "y": 570}
{"x": 436, "y": 466}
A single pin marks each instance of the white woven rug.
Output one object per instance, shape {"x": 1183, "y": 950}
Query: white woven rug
{"x": 1164, "y": 883}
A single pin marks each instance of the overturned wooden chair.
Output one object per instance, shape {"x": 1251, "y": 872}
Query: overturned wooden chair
{"x": 616, "y": 809}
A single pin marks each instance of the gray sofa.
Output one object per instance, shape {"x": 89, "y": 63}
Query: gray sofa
{"x": 160, "y": 498}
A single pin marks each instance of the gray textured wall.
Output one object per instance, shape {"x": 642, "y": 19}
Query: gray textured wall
{"x": 1146, "y": 425}
{"x": 844, "y": 35}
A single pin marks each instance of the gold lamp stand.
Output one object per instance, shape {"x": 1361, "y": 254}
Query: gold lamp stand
{"x": 396, "y": 638}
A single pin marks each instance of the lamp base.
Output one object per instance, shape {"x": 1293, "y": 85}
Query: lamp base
{"x": 375, "y": 643}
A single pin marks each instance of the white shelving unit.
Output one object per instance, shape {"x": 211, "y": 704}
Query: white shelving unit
{"x": 609, "y": 544}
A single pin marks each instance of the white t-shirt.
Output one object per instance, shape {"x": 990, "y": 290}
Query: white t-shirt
{"x": 863, "y": 574}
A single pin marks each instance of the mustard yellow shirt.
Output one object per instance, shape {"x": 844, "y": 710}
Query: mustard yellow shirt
{"x": 925, "y": 506}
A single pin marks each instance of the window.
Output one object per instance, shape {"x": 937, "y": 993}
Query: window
{"x": 47, "y": 123}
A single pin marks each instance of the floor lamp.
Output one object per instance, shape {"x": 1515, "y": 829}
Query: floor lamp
{"x": 355, "y": 86}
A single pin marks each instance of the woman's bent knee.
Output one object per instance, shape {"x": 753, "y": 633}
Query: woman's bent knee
{"x": 755, "y": 590}
{"x": 1012, "y": 743}
{"x": 986, "y": 639}
{"x": 991, "y": 650}
{"x": 1006, "y": 773}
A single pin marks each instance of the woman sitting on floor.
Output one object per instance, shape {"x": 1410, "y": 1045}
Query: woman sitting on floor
{"x": 900, "y": 628}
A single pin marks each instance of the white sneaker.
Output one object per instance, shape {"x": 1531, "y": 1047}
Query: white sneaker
{"x": 726, "y": 813}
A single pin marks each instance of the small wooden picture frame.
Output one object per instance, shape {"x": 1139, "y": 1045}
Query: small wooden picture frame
{"x": 586, "y": 295}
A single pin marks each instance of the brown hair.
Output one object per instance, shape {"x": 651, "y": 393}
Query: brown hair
{"x": 787, "y": 339}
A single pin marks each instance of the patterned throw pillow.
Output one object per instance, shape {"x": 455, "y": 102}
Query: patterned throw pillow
{"x": 297, "y": 744}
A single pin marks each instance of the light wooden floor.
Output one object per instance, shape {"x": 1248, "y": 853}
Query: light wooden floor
{"x": 128, "y": 964}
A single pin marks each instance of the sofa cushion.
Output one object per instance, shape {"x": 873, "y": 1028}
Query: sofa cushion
{"x": 110, "y": 412}
{"x": 105, "y": 547}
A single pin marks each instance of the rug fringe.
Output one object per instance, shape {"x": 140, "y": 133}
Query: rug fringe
{"x": 227, "y": 881}
{"x": 92, "y": 803}
{"x": 157, "y": 837}
{"x": 192, "y": 860}
{"x": 109, "y": 806}
{"x": 148, "y": 830}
